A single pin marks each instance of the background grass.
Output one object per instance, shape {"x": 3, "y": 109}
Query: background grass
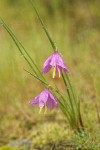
{"x": 75, "y": 26}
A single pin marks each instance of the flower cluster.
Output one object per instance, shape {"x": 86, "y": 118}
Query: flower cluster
{"x": 45, "y": 99}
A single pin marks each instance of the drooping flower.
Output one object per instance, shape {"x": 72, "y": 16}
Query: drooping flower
{"x": 45, "y": 99}
{"x": 56, "y": 61}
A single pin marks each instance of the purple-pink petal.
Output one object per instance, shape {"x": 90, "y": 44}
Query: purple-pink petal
{"x": 53, "y": 98}
{"x": 47, "y": 66}
{"x": 55, "y": 60}
{"x": 66, "y": 70}
{"x": 50, "y": 104}
{"x": 35, "y": 101}
{"x": 46, "y": 69}
{"x": 45, "y": 98}
{"x": 47, "y": 62}
{"x": 41, "y": 104}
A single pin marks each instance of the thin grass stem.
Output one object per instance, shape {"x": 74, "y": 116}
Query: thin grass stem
{"x": 74, "y": 96}
{"x": 45, "y": 83}
{"x": 70, "y": 100}
{"x": 8, "y": 30}
{"x": 23, "y": 49}
{"x": 44, "y": 27}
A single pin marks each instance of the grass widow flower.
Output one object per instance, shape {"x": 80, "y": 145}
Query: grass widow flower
{"x": 44, "y": 99}
{"x": 56, "y": 61}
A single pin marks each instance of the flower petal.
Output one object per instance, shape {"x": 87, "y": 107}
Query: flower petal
{"x": 66, "y": 70}
{"x": 53, "y": 98}
{"x": 56, "y": 60}
{"x": 35, "y": 101}
{"x": 47, "y": 66}
{"x": 41, "y": 104}
{"x": 43, "y": 98}
{"x": 46, "y": 69}
{"x": 50, "y": 103}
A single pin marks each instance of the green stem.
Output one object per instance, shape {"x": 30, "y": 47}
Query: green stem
{"x": 63, "y": 108}
{"x": 79, "y": 119}
{"x": 23, "y": 49}
{"x": 70, "y": 100}
{"x": 72, "y": 91}
{"x": 44, "y": 27}
{"x": 19, "y": 49}
{"x": 43, "y": 82}
{"x": 68, "y": 109}
{"x": 65, "y": 112}
{"x": 65, "y": 101}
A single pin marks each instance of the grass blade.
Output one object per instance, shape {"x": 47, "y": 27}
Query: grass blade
{"x": 44, "y": 27}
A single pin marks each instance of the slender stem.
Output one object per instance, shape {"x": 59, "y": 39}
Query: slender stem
{"x": 44, "y": 27}
{"x": 65, "y": 101}
{"x": 45, "y": 83}
{"x": 80, "y": 118}
{"x": 72, "y": 91}
{"x": 65, "y": 112}
{"x": 76, "y": 103}
{"x": 68, "y": 107}
{"x": 63, "y": 108}
{"x": 23, "y": 49}
{"x": 70, "y": 100}
{"x": 20, "y": 49}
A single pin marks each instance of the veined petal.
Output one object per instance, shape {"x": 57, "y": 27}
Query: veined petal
{"x": 35, "y": 101}
{"x": 47, "y": 66}
{"x": 43, "y": 98}
{"x": 47, "y": 62}
{"x": 54, "y": 59}
{"x": 65, "y": 69}
{"x": 50, "y": 104}
{"x": 46, "y": 69}
{"x": 60, "y": 61}
{"x": 62, "y": 66}
{"x": 53, "y": 98}
{"x": 41, "y": 104}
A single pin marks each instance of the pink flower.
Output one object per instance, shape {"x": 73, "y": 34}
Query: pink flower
{"x": 44, "y": 99}
{"x": 56, "y": 61}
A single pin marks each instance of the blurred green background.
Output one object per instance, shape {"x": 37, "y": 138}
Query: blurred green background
{"x": 75, "y": 27}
